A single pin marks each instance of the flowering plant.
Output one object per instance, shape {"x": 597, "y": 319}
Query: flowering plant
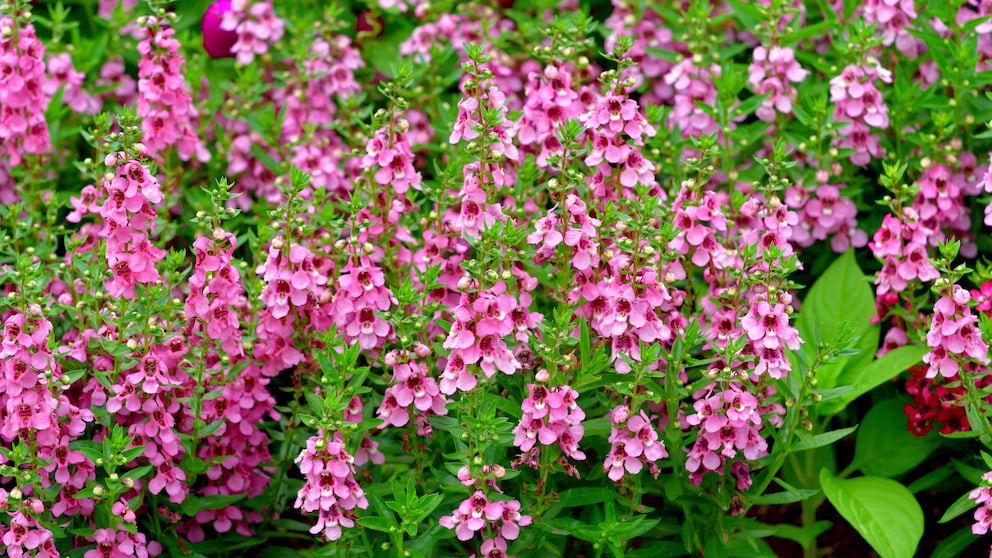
{"x": 556, "y": 278}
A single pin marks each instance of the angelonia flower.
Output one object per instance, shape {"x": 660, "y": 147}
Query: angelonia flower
{"x": 773, "y": 71}
{"x": 649, "y": 31}
{"x": 858, "y": 102}
{"x": 25, "y": 536}
{"x": 388, "y": 153}
{"x": 578, "y": 233}
{"x": 125, "y": 88}
{"x": 954, "y": 336}
{"x": 824, "y": 213}
{"x": 129, "y": 219}
{"x": 616, "y": 129}
{"x": 165, "y": 106}
{"x": 113, "y": 543}
{"x": 329, "y": 488}
{"x": 23, "y": 96}
{"x": 480, "y": 183}
{"x": 215, "y": 291}
{"x": 294, "y": 286}
{"x": 311, "y": 109}
{"x": 728, "y": 425}
{"x": 412, "y": 386}
{"x": 983, "y": 498}
{"x": 477, "y": 336}
{"x": 901, "y": 243}
{"x": 634, "y": 443}
{"x": 769, "y": 333}
{"x": 478, "y": 513}
{"x": 550, "y": 100}
{"x": 362, "y": 293}
{"x": 256, "y": 25}
{"x": 941, "y": 204}
{"x": 894, "y": 18}
{"x": 551, "y": 416}
{"x": 64, "y": 75}
{"x": 692, "y": 83}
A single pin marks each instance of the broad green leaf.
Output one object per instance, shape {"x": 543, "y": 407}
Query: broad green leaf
{"x": 840, "y": 296}
{"x": 865, "y": 378}
{"x": 885, "y": 447}
{"x": 882, "y": 510}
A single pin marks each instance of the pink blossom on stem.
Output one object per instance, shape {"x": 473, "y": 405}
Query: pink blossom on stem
{"x": 165, "y": 106}
{"x": 954, "y": 335}
{"x": 23, "y": 97}
{"x": 330, "y": 488}
{"x": 256, "y": 25}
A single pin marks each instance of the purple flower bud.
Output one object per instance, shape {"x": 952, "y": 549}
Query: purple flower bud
{"x": 216, "y": 41}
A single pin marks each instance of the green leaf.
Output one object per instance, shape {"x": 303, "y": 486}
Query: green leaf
{"x": 960, "y": 506}
{"x": 882, "y": 510}
{"x": 218, "y": 501}
{"x": 802, "y": 535}
{"x": 376, "y": 523}
{"x": 840, "y": 296}
{"x": 866, "y": 378}
{"x": 574, "y": 497}
{"x": 955, "y": 545}
{"x": 885, "y": 447}
{"x": 809, "y": 442}
{"x": 784, "y": 497}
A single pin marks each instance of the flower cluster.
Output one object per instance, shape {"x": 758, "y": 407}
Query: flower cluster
{"x": 551, "y": 415}
{"x": 770, "y": 333}
{"x": 164, "y": 102}
{"x": 729, "y": 422}
{"x": 129, "y": 218}
{"x": 482, "y": 322}
{"x": 858, "y": 102}
{"x": 389, "y": 153}
{"x": 361, "y": 294}
{"x": 954, "y": 336}
{"x": 330, "y": 488}
{"x": 983, "y": 497}
{"x": 633, "y": 444}
{"x": 23, "y": 97}
{"x": 773, "y": 72}
{"x": 256, "y": 25}
{"x": 478, "y": 513}
{"x": 411, "y": 386}
{"x": 64, "y": 75}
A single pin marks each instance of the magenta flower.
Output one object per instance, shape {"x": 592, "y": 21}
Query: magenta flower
{"x": 217, "y": 41}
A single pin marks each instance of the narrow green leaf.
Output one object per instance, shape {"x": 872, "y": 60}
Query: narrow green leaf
{"x": 809, "y": 442}
{"x": 955, "y": 545}
{"x": 868, "y": 377}
{"x": 960, "y": 506}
